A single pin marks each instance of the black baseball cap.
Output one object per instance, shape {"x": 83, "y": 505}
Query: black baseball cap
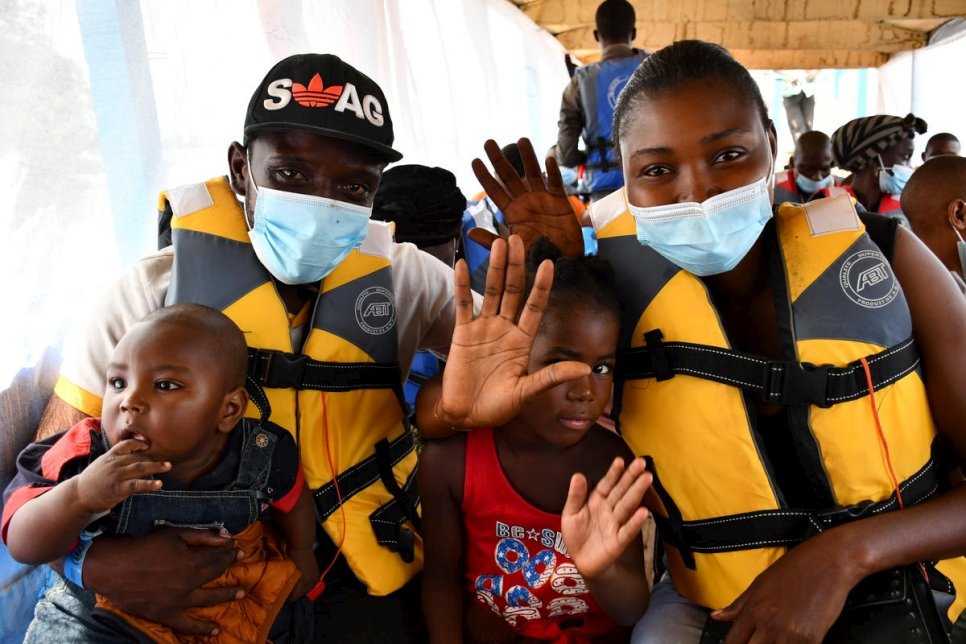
{"x": 320, "y": 93}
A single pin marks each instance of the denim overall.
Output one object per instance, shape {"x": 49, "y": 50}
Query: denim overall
{"x": 64, "y": 614}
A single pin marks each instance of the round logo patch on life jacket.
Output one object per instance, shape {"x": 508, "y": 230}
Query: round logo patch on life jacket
{"x": 868, "y": 280}
{"x": 614, "y": 89}
{"x": 375, "y": 310}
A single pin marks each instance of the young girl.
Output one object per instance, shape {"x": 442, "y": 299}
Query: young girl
{"x": 788, "y": 372}
{"x": 502, "y": 535}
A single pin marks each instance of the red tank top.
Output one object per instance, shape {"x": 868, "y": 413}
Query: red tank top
{"x": 516, "y": 561}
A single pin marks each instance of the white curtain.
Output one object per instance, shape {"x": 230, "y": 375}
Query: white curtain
{"x": 106, "y": 102}
{"x": 929, "y": 83}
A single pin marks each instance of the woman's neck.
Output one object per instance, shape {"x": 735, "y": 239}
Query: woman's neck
{"x": 866, "y": 186}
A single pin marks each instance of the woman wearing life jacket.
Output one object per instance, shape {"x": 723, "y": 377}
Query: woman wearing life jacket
{"x": 877, "y": 151}
{"x": 774, "y": 370}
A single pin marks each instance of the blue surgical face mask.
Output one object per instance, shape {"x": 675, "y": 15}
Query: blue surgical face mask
{"x": 961, "y": 247}
{"x": 710, "y": 237}
{"x": 810, "y": 186}
{"x": 568, "y": 175}
{"x": 893, "y": 180}
{"x": 301, "y": 238}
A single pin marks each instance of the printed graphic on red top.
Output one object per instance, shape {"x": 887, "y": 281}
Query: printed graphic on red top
{"x": 516, "y": 560}
{"x": 316, "y": 94}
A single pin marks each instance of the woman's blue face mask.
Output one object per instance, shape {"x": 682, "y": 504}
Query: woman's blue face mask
{"x": 710, "y": 237}
{"x": 893, "y": 180}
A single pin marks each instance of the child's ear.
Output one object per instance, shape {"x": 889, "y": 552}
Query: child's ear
{"x": 232, "y": 409}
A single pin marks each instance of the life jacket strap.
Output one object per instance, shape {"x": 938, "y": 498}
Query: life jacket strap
{"x": 783, "y": 527}
{"x": 388, "y": 521}
{"x": 778, "y": 382}
{"x": 281, "y": 370}
{"x": 362, "y": 475}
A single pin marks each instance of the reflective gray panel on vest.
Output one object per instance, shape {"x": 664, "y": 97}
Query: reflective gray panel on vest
{"x": 857, "y": 298}
{"x": 641, "y": 274}
{"x": 212, "y": 270}
{"x": 363, "y": 312}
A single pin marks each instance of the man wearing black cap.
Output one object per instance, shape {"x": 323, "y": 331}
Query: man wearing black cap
{"x": 285, "y": 247}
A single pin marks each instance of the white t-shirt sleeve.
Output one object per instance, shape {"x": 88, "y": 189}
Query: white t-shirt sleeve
{"x": 425, "y": 304}
{"x": 90, "y": 345}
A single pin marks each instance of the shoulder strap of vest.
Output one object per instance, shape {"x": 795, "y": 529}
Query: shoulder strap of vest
{"x": 778, "y": 382}
{"x": 782, "y": 527}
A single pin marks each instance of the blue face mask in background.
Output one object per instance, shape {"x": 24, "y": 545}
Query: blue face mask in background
{"x": 893, "y": 180}
{"x": 810, "y": 186}
{"x": 301, "y": 238}
{"x": 710, "y": 237}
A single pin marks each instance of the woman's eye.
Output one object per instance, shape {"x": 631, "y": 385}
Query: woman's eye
{"x": 117, "y": 384}
{"x": 602, "y": 369}
{"x": 729, "y": 155}
{"x": 167, "y": 385}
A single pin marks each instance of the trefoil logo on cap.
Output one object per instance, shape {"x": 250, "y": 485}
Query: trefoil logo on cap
{"x": 316, "y": 95}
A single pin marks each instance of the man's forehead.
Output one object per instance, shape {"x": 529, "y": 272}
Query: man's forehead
{"x": 311, "y": 145}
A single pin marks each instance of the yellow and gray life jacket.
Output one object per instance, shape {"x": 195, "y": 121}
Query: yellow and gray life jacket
{"x": 339, "y": 394}
{"x": 686, "y": 398}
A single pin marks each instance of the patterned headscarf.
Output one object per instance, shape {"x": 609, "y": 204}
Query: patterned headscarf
{"x": 860, "y": 140}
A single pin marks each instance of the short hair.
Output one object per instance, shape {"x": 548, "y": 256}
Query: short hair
{"x": 683, "y": 62}
{"x": 941, "y": 137}
{"x": 585, "y": 281}
{"x": 512, "y": 153}
{"x": 615, "y": 20}
{"x": 221, "y": 337}
{"x": 813, "y": 137}
{"x": 931, "y": 187}
{"x": 424, "y": 202}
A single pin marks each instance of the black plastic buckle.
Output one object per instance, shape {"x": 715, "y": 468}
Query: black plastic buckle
{"x": 284, "y": 370}
{"x": 660, "y": 365}
{"x": 796, "y": 383}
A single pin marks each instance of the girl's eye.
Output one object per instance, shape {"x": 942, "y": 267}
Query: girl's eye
{"x": 167, "y": 385}
{"x": 117, "y": 384}
{"x": 656, "y": 171}
{"x": 729, "y": 155}
{"x": 602, "y": 369}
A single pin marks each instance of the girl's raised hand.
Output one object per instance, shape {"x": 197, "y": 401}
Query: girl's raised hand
{"x": 598, "y": 527}
{"x": 533, "y": 207}
{"x": 486, "y": 379}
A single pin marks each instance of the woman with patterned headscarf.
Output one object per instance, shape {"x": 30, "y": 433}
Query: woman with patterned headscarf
{"x": 877, "y": 150}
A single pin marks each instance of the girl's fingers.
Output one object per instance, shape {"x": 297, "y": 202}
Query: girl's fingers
{"x": 495, "y": 279}
{"x": 610, "y": 479}
{"x": 551, "y": 376}
{"x": 631, "y": 530}
{"x": 463, "y": 295}
{"x": 537, "y": 301}
{"x": 630, "y": 502}
{"x": 576, "y": 495}
{"x": 515, "y": 279}
{"x": 626, "y": 478}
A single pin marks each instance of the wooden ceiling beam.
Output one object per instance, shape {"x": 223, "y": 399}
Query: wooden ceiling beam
{"x": 559, "y": 15}
{"x": 808, "y": 59}
{"x": 826, "y": 35}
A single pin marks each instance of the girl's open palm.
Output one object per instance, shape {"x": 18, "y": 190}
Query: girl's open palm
{"x": 486, "y": 379}
{"x": 598, "y": 527}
